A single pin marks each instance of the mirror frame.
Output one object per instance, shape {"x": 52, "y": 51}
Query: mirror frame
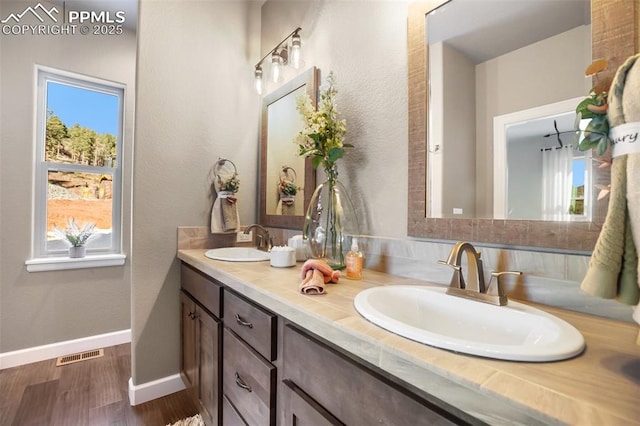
{"x": 614, "y": 35}
{"x": 309, "y": 79}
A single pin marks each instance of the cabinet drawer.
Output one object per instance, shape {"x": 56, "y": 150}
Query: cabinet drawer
{"x": 204, "y": 289}
{"x": 253, "y": 324}
{"x": 248, "y": 381}
{"x": 329, "y": 379}
{"x": 230, "y": 416}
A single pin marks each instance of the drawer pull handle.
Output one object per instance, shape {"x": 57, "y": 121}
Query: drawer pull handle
{"x": 193, "y": 315}
{"x": 243, "y": 322}
{"x": 242, "y": 383}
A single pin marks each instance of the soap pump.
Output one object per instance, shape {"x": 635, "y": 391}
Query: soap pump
{"x": 355, "y": 261}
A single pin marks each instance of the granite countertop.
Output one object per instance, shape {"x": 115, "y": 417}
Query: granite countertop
{"x": 599, "y": 387}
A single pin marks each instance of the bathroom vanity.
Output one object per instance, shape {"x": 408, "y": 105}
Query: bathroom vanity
{"x": 266, "y": 354}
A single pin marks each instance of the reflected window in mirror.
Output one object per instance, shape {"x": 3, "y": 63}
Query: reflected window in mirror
{"x": 287, "y": 180}
{"x": 533, "y": 180}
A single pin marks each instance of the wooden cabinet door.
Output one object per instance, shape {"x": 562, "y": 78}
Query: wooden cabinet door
{"x": 189, "y": 356}
{"x": 201, "y": 362}
{"x": 301, "y": 410}
{"x": 208, "y": 338}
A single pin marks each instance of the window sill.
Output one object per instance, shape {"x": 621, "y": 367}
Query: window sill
{"x": 64, "y": 263}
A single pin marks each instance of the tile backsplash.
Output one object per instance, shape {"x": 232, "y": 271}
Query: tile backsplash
{"x": 548, "y": 278}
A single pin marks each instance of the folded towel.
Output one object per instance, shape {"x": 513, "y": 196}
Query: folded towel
{"x": 288, "y": 206}
{"x": 315, "y": 274}
{"x": 624, "y": 104}
{"x": 614, "y": 267}
{"x": 313, "y": 282}
{"x": 225, "y": 216}
{"x": 628, "y": 290}
{"x": 229, "y": 214}
{"x": 606, "y": 260}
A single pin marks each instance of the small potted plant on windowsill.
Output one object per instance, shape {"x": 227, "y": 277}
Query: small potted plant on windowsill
{"x": 76, "y": 237}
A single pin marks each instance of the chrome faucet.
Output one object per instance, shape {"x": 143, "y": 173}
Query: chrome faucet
{"x": 475, "y": 273}
{"x": 474, "y": 287}
{"x": 264, "y": 241}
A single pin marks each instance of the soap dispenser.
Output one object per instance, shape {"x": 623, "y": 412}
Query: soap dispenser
{"x": 355, "y": 261}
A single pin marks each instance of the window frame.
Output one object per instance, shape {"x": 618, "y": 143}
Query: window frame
{"x": 44, "y": 75}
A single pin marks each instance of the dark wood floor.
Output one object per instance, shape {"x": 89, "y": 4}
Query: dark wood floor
{"x": 92, "y": 392}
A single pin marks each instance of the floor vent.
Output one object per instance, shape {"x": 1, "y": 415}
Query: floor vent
{"x": 82, "y": 356}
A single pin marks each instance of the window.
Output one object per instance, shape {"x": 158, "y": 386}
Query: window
{"x": 78, "y": 167}
{"x": 580, "y": 204}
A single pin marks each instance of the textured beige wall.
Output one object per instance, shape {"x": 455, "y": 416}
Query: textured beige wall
{"x": 195, "y": 103}
{"x": 47, "y": 307}
{"x": 364, "y": 43}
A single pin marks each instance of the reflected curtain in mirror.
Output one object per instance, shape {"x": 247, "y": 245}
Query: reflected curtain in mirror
{"x": 557, "y": 183}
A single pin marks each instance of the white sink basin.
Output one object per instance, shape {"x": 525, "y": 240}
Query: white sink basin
{"x": 515, "y": 332}
{"x": 238, "y": 254}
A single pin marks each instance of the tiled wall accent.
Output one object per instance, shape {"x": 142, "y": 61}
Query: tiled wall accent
{"x": 548, "y": 278}
{"x": 200, "y": 237}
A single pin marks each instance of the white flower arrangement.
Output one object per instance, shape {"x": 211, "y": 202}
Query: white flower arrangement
{"x": 74, "y": 235}
{"x": 322, "y": 138}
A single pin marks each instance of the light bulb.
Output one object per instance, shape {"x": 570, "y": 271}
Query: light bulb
{"x": 258, "y": 80}
{"x": 276, "y": 67}
{"x": 296, "y": 51}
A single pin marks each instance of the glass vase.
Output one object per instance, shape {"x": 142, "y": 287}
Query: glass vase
{"x": 330, "y": 221}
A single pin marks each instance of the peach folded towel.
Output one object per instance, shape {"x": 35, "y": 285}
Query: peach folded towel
{"x": 315, "y": 274}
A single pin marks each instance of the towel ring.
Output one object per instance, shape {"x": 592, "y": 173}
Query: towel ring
{"x": 284, "y": 174}
{"x": 220, "y": 163}
{"x": 218, "y": 168}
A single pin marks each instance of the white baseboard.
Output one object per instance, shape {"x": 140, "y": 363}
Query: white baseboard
{"x": 144, "y": 392}
{"x": 54, "y": 350}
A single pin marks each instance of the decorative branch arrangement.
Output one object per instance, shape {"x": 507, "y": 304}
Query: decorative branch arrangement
{"x": 74, "y": 235}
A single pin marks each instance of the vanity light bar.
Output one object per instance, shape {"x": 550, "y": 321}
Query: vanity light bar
{"x": 280, "y": 57}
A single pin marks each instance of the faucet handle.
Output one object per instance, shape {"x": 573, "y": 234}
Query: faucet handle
{"x": 498, "y": 289}
{"x": 265, "y": 241}
{"x": 456, "y": 280}
{"x": 451, "y": 265}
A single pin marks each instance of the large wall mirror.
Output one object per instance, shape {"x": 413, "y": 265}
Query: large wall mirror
{"x": 481, "y": 100}
{"x": 287, "y": 180}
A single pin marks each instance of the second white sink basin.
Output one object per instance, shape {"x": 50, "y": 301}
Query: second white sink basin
{"x": 238, "y": 254}
{"x": 428, "y": 315}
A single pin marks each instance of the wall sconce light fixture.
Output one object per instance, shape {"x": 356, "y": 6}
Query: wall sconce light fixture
{"x": 258, "y": 79}
{"x": 281, "y": 55}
